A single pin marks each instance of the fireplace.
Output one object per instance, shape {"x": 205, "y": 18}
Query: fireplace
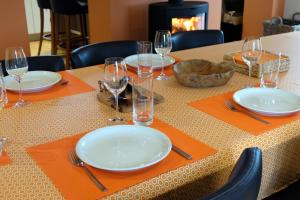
{"x": 177, "y": 16}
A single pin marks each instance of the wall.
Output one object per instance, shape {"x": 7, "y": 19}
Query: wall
{"x": 13, "y": 26}
{"x": 128, "y": 19}
{"x": 291, "y": 7}
{"x": 256, "y": 11}
{"x": 33, "y": 17}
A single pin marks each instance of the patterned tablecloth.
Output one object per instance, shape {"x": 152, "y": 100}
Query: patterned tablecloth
{"x": 54, "y": 119}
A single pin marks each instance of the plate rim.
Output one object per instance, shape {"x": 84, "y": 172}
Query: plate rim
{"x": 266, "y": 112}
{"x": 128, "y": 169}
{"x": 154, "y": 67}
{"x": 35, "y": 89}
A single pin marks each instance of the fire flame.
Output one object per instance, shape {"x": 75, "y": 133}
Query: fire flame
{"x": 188, "y": 24}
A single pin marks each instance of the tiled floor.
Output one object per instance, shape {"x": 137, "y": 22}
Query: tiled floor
{"x": 292, "y": 192}
{"x": 46, "y": 48}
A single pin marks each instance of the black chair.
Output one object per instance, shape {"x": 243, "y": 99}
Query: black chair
{"x": 43, "y": 4}
{"x": 94, "y": 54}
{"x": 68, "y": 8}
{"x": 245, "y": 179}
{"x": 43, "y": 63}
{"x": 193, "y": 39}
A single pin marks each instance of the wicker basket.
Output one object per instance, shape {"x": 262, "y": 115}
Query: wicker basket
{"x": 278, "y": 25}
{"x": 267, "y": 59}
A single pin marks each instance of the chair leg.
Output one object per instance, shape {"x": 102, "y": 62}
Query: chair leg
{"x": 54, "y": 33}
{"x": 68, "y": 40}
{"x": 41, "y": 31}
{"x": 83, "y": 28}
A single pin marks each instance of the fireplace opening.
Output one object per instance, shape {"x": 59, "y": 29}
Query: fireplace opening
{"x": 177, "y": 16}
{"x": 188, "y": 24}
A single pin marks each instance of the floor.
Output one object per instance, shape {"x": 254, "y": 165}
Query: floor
{"x": 292, "y": 192}
{"x": 46, "y": 48}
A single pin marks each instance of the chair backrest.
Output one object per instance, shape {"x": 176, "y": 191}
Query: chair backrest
{"x": 95, "y": 54}
{"x": 244, "y": 181}
{"x": 198, "y": 38}
{"x": 42, "y": 63}
{"x": 68, "y": 7}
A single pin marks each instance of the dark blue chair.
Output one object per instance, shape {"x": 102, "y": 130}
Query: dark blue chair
{"x": 95, "y": 54}
{"x": 245, "y": 179}
{"x": 42, "y": 63}
{"x": 193, "y": 39}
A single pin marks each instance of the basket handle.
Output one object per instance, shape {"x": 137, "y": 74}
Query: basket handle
{"x": 277, "y": 20}
{"x": 294, "y": 16}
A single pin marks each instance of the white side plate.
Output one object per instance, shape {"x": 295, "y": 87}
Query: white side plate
{"x": 123, "y": 148}
{"x": 33, "y": 81}
{"x": 268, "y": 101}
{"x": 156, "y": 61}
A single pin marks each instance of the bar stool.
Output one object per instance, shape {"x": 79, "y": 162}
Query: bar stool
{"x": 43, "y": 4}
{"x": 68, "y": 8}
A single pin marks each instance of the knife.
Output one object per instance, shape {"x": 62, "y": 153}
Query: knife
{"x": 181, "y": 152}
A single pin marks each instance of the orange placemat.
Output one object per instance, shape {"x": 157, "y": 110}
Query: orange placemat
{"x": 215, "y": 106}
{"x": 74, "y": 86}
{"x": 73, "y": 183}
{"x": 168, "y": 70}
{"x": 4, "y": 159}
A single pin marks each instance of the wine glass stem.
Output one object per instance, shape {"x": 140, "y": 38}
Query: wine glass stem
{"x": 20, "y": 90}
{"x": 250, "y": 69}
{"x": 117, "y": 105}
{"x": 162, "y": 68}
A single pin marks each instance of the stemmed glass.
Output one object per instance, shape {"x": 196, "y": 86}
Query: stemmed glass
{"x": 16, "y": 66}
{"x": 115, "y": 80}
{"x": 251, "y": 53}
{"x": 163, "y": 46}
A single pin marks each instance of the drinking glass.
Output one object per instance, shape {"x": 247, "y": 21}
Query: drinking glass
{"x": 115, "y": 80}
{"x": 16, "y": 66}
{"x": 251, "y": 53}
{"x": 162, "y": 46}
{"x": 3, "y": 95}
{"x": 270, "y": 73}
{"x": 142, "y": 100}
{"x": 145, "y": 57}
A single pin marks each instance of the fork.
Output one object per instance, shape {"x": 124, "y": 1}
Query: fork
{"x": 232, "y": 107}
{"x": 75, "y": 160}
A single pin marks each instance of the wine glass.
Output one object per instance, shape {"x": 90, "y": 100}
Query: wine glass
{"x": 16, "y": 66}
{"x": 163, "y": 46}
{"x": 115, "y": 80}
{"x": 251, "y": 53}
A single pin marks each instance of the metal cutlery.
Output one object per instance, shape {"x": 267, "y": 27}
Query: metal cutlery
{"x": 75, "y": 160}
{"x": 181, "y": 152}
{"x": 232, "y": 107}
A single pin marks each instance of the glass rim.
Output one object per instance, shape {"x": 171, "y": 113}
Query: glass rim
{"x": 114, "y": 59}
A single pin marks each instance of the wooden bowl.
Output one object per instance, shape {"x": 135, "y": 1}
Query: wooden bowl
{"x": 202, "y": 73}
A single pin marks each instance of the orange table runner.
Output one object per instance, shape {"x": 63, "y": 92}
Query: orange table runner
{"x": 74, "y": 86}
{"x": 73, "y": 183}
{"x": 215, "y": 106}
{"x": 4, "y": 160}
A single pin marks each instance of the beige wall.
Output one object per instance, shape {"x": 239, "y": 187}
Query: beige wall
{"x": 128, "y": 19}
{"x": 256, "y": 11}
{"x": 13, "y": 26}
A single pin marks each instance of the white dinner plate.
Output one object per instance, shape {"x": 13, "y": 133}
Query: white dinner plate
{"x": 33, "y": 81}
{"x": 123, "y": 148}
{"x": 156, "y": 61}
{"x": 268, "y": 101}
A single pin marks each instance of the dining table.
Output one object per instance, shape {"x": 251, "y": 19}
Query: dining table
{"x": 31, "y": 172}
